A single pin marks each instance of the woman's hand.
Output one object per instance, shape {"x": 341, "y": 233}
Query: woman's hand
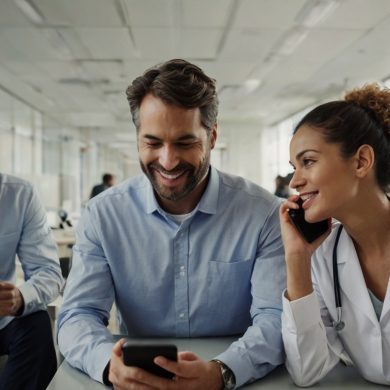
{"x": 298, "y": 252}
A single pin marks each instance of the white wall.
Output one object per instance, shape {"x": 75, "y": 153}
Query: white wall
{"x": 241, "y": 155}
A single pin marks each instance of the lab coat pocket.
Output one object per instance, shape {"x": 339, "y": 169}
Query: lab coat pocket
{"x": 229, "y": 287}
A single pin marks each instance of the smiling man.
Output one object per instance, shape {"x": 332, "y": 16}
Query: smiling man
{"x": 183, "y": 250}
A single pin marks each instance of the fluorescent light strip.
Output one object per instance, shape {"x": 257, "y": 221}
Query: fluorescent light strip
{"x": 30, "y": 11}
{"x": 316, "y": 11}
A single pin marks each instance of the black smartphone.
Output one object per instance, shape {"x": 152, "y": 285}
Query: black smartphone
{"x": 309, "y": 231}
{"x": 142, "y": 355}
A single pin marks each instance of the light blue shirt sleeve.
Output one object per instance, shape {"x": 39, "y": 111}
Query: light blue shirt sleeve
{"x": 260, "y": 349}
{"x": 25, "y": 232}
{"x": 83, "y": 336}
{"x": 220, "y": 272}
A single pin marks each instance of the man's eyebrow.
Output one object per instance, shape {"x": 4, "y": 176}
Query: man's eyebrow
{"x": 151, "y": 137}
{"x": 187, "y": 137}
{"x": 183, "y": 138}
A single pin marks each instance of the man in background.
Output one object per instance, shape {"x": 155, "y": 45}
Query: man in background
{"x": 184, "y": 250}
{"x": 107, "y": 182}
{"x": 25, "y": 329}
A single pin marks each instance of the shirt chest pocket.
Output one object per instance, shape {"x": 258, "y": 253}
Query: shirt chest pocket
{"x": 229, "y": 286}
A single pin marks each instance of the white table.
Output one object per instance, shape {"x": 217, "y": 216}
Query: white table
{"x": 340, "y": 378}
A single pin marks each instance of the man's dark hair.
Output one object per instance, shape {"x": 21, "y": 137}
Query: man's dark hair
{"x": 106, "y": 178}
{"x": 180, "y": 83}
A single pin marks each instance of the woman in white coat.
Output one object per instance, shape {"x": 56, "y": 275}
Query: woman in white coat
{"x": 341, "y": 155}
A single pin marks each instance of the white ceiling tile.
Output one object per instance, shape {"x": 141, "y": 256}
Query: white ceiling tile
{"x": 12, "y": 16}
{"x": 267, "y": 13}
{"x": 107, "y": 43}
{"x": 199, "y": 43}
{"x": 87, "y": 13}
{"x": 227, "y": 72}
{"x": 30, "y": 44}
{"x": 206, "y": 13}
{"x": 88, "y": 60}
{"x": 258, "y": 44}
{"x": 151, "y": 13}
{"x": 156, "y": 43}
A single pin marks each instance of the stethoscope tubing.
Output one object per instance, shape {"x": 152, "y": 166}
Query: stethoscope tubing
{"x": 338, "y": 325}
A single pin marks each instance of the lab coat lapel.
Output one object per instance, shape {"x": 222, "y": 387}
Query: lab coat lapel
{"x": 351, "y": 278}
{"x": 386, "y": 305}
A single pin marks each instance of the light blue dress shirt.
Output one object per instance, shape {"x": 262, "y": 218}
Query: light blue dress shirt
{"x": 220, "y": 272}
{"x": 24, "y": 232}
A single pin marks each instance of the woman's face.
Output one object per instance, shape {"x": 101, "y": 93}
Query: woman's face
{"x": 324, "y": 179}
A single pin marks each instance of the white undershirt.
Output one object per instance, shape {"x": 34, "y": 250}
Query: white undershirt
{"x": 179, "y": 218}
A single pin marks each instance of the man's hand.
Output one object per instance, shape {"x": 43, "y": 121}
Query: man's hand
{"x": 191, "y": 373}
{"x": 11, "y": 300}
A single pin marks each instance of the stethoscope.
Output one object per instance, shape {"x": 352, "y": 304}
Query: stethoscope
{"x": 339, "y": 323}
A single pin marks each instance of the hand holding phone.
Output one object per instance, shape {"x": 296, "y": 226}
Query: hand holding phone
{"x": 142, "y": 355}
{"x": 309, "y": 231}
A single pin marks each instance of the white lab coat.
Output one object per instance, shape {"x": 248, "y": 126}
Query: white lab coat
{"x": 313, "y": 346}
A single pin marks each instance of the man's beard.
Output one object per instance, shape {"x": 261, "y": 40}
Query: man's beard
{"x": 194, "y": 177}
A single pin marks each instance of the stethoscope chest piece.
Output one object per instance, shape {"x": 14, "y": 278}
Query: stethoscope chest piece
{"x": 338, "y": 325}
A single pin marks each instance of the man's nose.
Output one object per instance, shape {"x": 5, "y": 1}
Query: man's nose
{"x": 168, "y": 157}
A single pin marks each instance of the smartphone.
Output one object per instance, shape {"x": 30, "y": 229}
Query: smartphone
{"x": 309, "y": 231}
{"x": 142, "y": 355}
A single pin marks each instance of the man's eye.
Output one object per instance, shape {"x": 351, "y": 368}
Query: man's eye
{"x": 184, "y": 145}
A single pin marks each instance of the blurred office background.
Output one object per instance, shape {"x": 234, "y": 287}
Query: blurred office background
{"x": 65, "y": 65}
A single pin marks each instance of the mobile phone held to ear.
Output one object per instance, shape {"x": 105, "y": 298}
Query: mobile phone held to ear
{"x": 309, "y": 231}
{"x": 142, "y": 355}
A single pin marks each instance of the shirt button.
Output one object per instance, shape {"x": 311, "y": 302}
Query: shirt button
{"x": 181, "y": 315}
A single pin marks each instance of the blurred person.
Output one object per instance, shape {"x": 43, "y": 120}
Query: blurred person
{"x": 281, "y": 186}
{"x": 337, "y": 304}
{"x": 184, "y": 250}
{"x": 25, "y": 329}
{"x": 107, "y": 182}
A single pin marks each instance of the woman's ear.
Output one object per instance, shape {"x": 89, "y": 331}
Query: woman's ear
{"x": 365, "y": 159}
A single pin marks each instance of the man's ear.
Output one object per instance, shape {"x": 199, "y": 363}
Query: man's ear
{"x": 213, "y": 136}
{"x": 365, "y": 159}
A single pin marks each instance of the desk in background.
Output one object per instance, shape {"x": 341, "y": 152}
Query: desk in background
{"x": 340, "y": 378}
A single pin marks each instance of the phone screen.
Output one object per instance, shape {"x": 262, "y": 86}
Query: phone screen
{"x": 142, "y": 355}
{"x": 309, "y": 231}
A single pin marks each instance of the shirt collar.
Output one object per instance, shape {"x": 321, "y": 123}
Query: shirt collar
{"x": 207, "y": 204}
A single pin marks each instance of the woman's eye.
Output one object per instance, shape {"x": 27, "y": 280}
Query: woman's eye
{"x": 307, "y": 162}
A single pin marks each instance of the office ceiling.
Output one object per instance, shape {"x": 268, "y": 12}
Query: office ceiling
{"x": 72, "y": 59}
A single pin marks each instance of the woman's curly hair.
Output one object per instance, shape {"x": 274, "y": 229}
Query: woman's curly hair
{"x": 363, "y": 117}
